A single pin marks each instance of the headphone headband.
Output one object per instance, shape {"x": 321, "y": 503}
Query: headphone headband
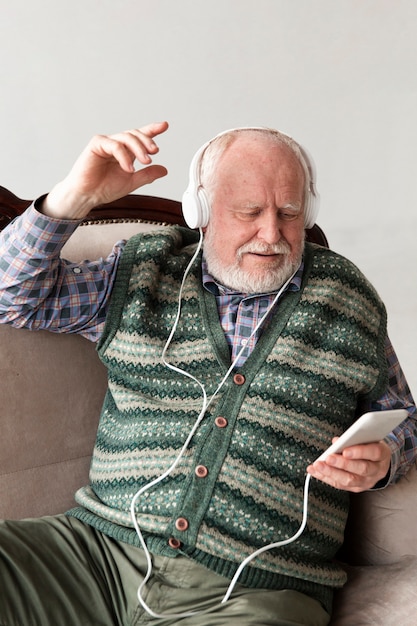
{"x": 195, "y": 204}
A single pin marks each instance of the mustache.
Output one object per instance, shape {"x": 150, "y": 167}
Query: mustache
{"x": 258, "y": 247}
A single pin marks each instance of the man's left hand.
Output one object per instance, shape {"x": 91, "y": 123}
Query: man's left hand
{"x": 356, "y": 469}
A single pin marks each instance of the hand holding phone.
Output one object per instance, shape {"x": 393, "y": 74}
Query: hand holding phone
{"x": 368, "y": 428}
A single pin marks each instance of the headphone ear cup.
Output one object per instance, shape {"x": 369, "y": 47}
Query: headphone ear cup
{"x": 312, "y": 204}
{"x": 204, "y": 208}
{"x": 195, "y": 207}
{"x": 309, "y": 218}
{"x": 311, "y": 209}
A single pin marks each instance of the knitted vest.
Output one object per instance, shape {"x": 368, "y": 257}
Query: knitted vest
{"x": 240, "y": 483}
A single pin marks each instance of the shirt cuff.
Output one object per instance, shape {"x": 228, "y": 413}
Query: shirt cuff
{"x": 391, "y": 475}
{"x": 42, "y": 233}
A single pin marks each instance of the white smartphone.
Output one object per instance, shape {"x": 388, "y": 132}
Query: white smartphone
{"x": 368, "y": 428}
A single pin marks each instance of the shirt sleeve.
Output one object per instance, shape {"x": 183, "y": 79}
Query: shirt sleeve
{"x": 41, "y": 291}
{"x": 403, "y": 439}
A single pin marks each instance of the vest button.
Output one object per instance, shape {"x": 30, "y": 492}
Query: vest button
{"x": 221, "y": 422}
{"x": 238, "y": 379}
{"x": 181, "y": 524}
{"x": 174, "y": 543}
{"x": 201, "y": 471}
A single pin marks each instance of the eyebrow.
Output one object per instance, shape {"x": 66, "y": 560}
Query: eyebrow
{"x": 250, "y": 206}
{"x": 291, "y": 207}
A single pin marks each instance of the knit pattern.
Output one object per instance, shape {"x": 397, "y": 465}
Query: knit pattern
{"x": 320, "y": 357}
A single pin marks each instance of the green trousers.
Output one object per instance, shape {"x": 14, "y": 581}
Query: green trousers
{"x": 57, "y": 571}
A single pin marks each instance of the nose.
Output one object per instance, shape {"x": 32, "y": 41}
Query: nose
{"x": 269, "y": 229}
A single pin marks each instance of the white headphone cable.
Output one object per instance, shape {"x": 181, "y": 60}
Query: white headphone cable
{"x": 276, "y": 544}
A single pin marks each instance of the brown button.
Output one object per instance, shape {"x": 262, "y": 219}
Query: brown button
{"x": 238, "y": 379}
{"x": 201, "y": 471}
{"x": 174, "y": 543}
{"x": 221, "y": 422}
{"x": 181, "y": 524}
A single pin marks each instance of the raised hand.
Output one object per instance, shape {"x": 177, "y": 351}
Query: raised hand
{"x": 105, "y": 171}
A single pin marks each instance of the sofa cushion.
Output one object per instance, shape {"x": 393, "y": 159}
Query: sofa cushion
{"x": 380, "y": 528}
{"x": 52, "y": 389}
{"x": 378, "y": 595}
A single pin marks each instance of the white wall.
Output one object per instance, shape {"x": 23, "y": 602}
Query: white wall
{"x": 338, "y": 75}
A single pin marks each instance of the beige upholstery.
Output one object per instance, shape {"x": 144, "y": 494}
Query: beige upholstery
{"x": 381, "y": 547}
{"x": 51, "y": 392}
{"x": 52, "y": 388}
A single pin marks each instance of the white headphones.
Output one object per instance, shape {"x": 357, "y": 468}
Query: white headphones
{"x": 195, "y": 203}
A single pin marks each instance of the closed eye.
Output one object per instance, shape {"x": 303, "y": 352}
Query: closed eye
{"x": 248, "y": 214}
{"x": 288, "y": 215}
{"x": 289, "y": 212}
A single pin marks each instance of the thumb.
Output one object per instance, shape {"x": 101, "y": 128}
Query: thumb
{"x": 147, "y": 175}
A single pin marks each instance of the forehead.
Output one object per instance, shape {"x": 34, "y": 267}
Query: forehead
{"x": 249, "y": 142}
{"x": 256, "y": 155}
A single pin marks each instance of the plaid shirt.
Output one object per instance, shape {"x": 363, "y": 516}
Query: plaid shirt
{"x": 38, "y": 290}
{"x": 240, "y": 313}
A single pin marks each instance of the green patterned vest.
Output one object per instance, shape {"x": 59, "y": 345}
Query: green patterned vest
{"x": 240, "y": 484}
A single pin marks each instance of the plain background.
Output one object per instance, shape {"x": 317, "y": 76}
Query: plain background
{"x": 338, "y": 75}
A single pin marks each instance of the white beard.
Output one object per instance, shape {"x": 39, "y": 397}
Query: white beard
{"x": 256, "y": 281}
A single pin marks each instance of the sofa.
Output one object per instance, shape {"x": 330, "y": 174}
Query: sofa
{"x": 52, "y": 387}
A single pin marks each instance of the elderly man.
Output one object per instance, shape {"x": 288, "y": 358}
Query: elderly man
{"x": 216, "y": 409}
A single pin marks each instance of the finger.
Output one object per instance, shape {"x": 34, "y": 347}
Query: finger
{"x": 361, "y": 470}
{"x": 147, "y": 175}
{"x": 352, "y": 476}
{"x": 371, "y": 451}
{"x": 153, "y": 129}
{"x": 127, "y": 147}
{"x": 123, "y": 148}
{"x": 339, "y": 479}
{"x": 360, "y": 466}
{"x": 140, "y": 145}
{"x": 146, "y": 135}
